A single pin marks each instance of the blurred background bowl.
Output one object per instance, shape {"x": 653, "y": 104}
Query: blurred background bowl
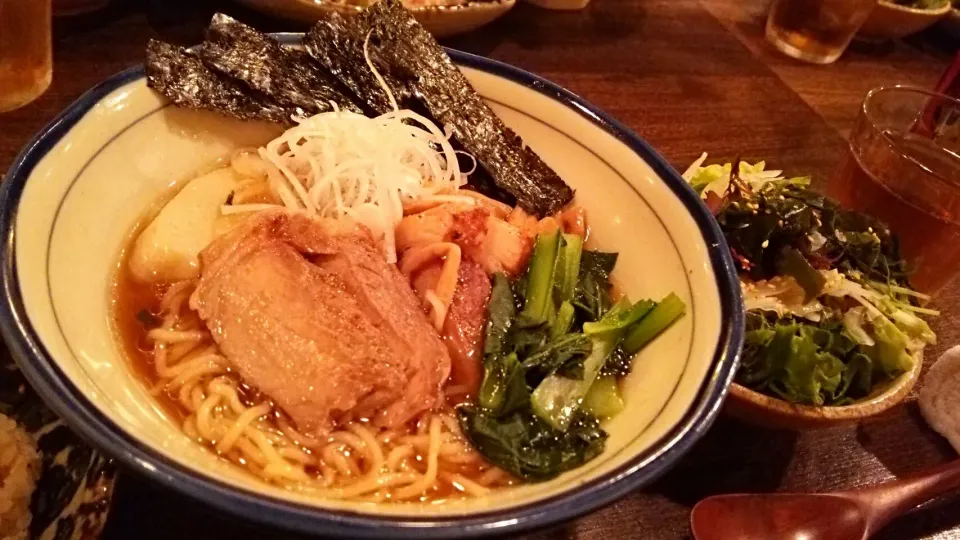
{"x": 893, "y": 21}
{"x": 442, "y": 21}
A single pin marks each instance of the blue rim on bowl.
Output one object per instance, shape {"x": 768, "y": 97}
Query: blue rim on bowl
{"x": 76, "y": 409}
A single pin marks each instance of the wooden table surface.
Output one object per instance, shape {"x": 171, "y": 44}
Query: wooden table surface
{"x": 689, "y": 76}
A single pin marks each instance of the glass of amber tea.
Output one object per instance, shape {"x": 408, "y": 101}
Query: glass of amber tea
{"x": 816, "y": 31}
{"x": 903, "y": 166}
{"x": 26, "y": 58}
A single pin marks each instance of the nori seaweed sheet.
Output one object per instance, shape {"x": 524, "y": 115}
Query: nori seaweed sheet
{"x": 337, "y": 43}
{"x": 179, "y": 75}
{"x": 289, "y": 77}
{"x": 422, "y": 77}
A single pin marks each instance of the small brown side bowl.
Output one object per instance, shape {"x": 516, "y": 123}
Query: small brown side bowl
{"x": 442, "y": 21}
{"x": 765, "y": 411}
{"x": 893, "y": 21}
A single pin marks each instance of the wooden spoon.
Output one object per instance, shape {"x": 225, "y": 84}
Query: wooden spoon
{"x": 844, "y": 515}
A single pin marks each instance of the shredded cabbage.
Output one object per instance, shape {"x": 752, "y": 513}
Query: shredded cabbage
{"x": 716, "y": 178}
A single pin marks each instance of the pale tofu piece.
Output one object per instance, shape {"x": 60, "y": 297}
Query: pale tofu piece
{"x": 167, "y": 250}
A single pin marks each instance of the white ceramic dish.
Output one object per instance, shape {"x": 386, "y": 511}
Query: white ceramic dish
{"x": 73, "y": 195}
{"x": 442, "y": 21}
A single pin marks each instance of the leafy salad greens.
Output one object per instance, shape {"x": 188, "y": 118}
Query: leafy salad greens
{"x": 556, "y": 342}
{"x": 830, "y": 312}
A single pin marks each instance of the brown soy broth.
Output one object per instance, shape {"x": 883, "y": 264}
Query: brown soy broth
{"x": 131, "y": 301}
{"x": 130, "y": 298}
{"x": 925, "y": 223}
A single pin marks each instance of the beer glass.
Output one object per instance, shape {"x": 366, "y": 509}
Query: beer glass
{"x": 26, "y": 57}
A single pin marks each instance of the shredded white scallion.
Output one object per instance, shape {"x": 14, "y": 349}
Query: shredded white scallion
{"x": 341, "y": 164}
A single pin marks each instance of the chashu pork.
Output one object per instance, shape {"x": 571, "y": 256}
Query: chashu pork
{"x": 309, "y": 313}
{"x": 464, "y": 326}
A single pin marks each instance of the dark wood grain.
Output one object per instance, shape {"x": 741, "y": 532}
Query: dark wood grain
{"x": 688, "y": 76}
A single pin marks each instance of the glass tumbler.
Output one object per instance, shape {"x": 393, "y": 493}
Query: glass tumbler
{"x": 816, "y": 31}
{"x": 26, "y": 55}
{"x": 903, "y": 166}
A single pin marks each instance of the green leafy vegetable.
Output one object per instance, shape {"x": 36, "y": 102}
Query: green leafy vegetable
{"x": 558, "y": 354}
{"x": 659, "y": 319}
{"x": 914, "y": 327}
{"x": 592, "y": 293}
{"x": 830, "y": 313}
{"x": 542, "y": 364}
{"x": 790, "y": 364}
{"x": 623, "y": 318}
{"x": 819, "y": 363}
{"x": 853, "y": 322}
{"x": 603, "y": 400}
{"x": 500, "y": 390}
{"x": 857, "y": 379}
{"x": 711, "y": 174}
{"x": 538, "y": 297}
{"x": 890, "y": 350}
{"x": 503, "y": 389}
{"x": 557, "y": 399}
{"x": 568, "y": 266}
{"x": 516, "y": 395}
{"x": 563, "y": 323}
{"x": 792, "y": 263}
{"x": 762, "y": 225}
{"x": 501, "y": 311}
{"x": 527, "y": 341}
{"x": 527, "y": 447}
{"x": 599, "y": 264}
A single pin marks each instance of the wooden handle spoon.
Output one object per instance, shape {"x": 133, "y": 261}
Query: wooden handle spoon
{"x": 844, "y": 515}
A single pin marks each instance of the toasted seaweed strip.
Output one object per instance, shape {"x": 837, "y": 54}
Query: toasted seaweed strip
{"x": 180, "y": 76}
{"x": 422, "y": 77}
{"x": 336, "y": 42}
{"x": 290, "y": 77}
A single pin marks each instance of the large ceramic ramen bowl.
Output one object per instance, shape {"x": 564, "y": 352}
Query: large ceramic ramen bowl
{"x": 71, "y": 198}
